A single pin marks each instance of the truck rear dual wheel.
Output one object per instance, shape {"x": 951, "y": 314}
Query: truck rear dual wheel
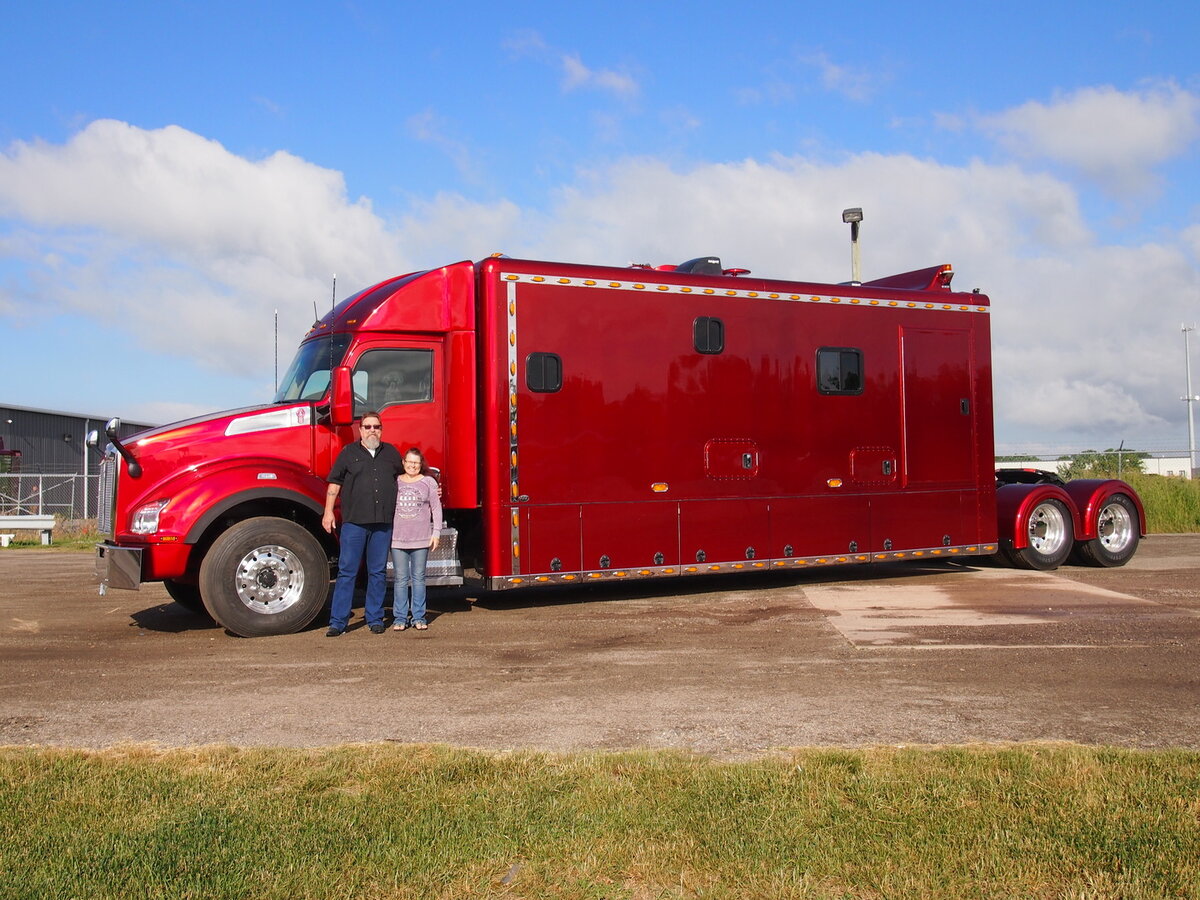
{"x": 1050, "y": 538}
{"x": 1118, "y": 530}
{"x": 264, "y": 576}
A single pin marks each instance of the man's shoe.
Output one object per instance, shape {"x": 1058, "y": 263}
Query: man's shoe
{"x": 378, "y": 628}
{"x": 335, "y": 632}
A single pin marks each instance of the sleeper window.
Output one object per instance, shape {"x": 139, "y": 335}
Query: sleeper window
{"x": 544, "y": 372}
{"x": 839, "y": 370}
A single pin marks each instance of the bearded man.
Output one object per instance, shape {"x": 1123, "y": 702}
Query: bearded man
{"x": 364, "y": 475}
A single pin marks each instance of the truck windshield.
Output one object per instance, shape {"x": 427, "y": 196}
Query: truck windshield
{"x": 307, "y": 378}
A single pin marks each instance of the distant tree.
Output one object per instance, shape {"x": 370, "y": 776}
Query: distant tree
{"x": 1109, "y": 463}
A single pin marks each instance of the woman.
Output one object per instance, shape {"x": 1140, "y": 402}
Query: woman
{"x": 414, "y": 533}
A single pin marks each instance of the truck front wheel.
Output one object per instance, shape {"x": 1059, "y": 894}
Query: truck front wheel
{"x": 264, "y": 576}
{"x": 1050, "y": 536}
{"x": 1118, "y": 530}
{"x": 186, "y": 595}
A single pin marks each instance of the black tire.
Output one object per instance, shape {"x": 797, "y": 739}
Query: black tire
{"x": 1051, "y": 538}
{"x": 265, "y": 576}
{"x": 1118, "y": 530}
{"x": 186, "y": 595}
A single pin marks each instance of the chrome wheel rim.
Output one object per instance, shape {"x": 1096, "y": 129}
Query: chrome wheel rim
{"x": 1114, "y": 528}
{"x": 1047, "y": 529}
{"x": 269, "y": 579}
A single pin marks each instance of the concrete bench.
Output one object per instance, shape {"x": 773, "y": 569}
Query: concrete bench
{"x": 44, "y": 524}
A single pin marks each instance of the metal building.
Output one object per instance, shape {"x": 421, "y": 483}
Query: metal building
{"x": 45, "y": 463}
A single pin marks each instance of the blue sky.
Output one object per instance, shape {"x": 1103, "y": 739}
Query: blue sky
{"x": 172, "y": 173}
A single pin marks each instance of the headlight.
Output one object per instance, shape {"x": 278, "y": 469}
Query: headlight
{"x": 145, "y": 520}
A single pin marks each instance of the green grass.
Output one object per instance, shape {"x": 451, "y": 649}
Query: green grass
{"x": 406, "y": 822}
{"x": 69, "y": 534}
{"x": 1172, "y": 504}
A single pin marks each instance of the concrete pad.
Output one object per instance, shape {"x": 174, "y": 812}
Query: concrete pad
{"x": 958, "y": 604}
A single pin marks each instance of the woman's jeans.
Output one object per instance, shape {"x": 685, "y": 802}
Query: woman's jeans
{"x": 409, "y": 568}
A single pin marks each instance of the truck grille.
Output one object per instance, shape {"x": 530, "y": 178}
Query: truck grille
{"x": 107, "y": 495}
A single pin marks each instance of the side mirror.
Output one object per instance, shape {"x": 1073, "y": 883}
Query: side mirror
{"x": 341, "y": 411}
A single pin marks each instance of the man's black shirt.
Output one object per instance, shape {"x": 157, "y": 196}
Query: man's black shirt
{"x": 368, "y": 483}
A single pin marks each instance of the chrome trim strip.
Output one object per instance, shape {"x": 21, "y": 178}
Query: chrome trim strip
{"x": 633, "y": 573}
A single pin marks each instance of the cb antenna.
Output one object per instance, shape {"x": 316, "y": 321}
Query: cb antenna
{"x": 332, "y": 304}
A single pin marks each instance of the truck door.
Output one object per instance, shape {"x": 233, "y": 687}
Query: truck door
{"x": 939, "y": 422}
{"x": 405, "y": 384}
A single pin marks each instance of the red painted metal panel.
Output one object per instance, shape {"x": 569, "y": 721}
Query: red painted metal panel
{"x": 724, "y": 530}
{"x": 939, "y": 398}
{"x": 461, "y": 474}
{"x": 626, "y": 535}
{"x": 551, "y": 539}
{"x": 643, "y": 417}
{"x": 919, "y": 519}
{"x": 820, "y": 525}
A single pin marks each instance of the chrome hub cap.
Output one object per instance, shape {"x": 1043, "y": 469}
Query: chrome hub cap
{"x": 1047, "y": 529}
{"x": 1114, "y": 527}
{"x": 269, "y": 579}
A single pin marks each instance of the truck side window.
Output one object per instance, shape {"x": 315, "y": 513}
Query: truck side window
{"x": 544, "y": 372}
{"x": 385, "y": 378}
{"x": 708, "y": 334}
{"x": 839, "y": 370}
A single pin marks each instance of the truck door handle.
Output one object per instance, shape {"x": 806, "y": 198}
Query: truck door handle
{"x": 964, "y": 406}
{"x": 747, "y": 460}
{"x": 887, "y": 467}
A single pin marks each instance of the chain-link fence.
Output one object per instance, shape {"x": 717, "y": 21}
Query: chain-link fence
{"x": 1110, "y": 463}
{"x": 72, "y": 496}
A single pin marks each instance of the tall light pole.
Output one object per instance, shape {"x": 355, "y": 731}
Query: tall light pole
{"x": 1189, "y": 398}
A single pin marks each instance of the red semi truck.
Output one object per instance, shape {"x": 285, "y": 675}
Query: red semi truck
{"x": 596, "y": 423}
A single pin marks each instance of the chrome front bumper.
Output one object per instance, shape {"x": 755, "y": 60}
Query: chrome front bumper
{"x": 118, "y": 567}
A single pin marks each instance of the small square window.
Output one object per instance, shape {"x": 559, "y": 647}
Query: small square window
{"x": 708, "y": 334}
{"x": 839, "y": 370}
{"x": 544, "y": 372}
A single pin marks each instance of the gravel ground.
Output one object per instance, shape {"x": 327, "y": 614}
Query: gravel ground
{"x": 729, "y": 666}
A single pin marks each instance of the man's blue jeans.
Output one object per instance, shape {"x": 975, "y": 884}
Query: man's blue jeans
{"x": 374, "y": 541}
{"x": 409, "y": 568}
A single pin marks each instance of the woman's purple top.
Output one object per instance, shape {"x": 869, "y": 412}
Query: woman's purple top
{"x": 418, "y": 513}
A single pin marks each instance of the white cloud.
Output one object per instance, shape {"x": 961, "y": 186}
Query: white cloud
{"x": 189, "y": 245}
{"x": 1083, "y": 346}
{"x": 192, "y": 247}
{"x": 576, "y": 75}
{"x": 430, "y": 128}
{"x": 852, "y": 82}
{"x": 1114, "y": 137}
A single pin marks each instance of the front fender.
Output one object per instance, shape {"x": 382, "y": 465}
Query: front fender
{"x": 249, "y": 496}
{"x": 1090, "y": 494}
{"x": 1015, "y": 504}
{"x": 197, "y": 503}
